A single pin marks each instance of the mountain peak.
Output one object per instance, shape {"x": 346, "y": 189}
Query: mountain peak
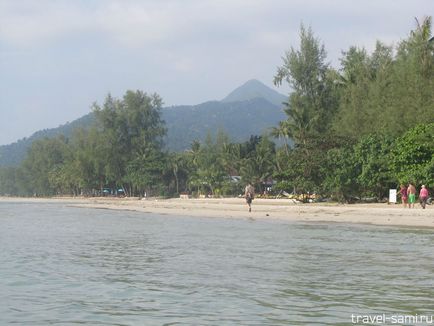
{"x": 255, "y": 89}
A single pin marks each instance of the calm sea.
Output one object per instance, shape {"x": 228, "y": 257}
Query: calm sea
{"x": 64, "y": 266}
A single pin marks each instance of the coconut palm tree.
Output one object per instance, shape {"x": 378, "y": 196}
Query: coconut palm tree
{"x": 281, "y": 132}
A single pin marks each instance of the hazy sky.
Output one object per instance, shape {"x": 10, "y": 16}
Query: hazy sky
{"x": 58, "y": 57}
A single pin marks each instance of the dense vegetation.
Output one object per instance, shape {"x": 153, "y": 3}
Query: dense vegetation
{"x": 350, "y": 132}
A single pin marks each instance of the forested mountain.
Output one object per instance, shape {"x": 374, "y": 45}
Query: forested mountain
{"x": 13, "y": 154}
{"x": 239, "y": 120}
{"x": 253, "y": 110}
{"x": 255, "y": 89}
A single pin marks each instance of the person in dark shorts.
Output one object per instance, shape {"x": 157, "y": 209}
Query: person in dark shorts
{"x": 249, "y": 194}
{"x": 423, "y": 196}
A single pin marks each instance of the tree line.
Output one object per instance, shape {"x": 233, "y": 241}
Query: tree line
{"x": 351, "y": 132}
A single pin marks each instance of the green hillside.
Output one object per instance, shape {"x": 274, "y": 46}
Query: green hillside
{"x": 244, "y": 116}
{"x": 13, "y": 154}
{"x": 237, "y": 119}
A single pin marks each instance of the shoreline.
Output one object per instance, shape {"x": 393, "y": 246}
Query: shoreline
{"x": 262, "y": 209}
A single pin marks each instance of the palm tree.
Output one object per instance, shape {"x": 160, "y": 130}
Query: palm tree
{"x": 299, "y": 124}
{"x": 176, "y": 163}
{"x": 230, "y": 157}
{"x": 424, "y": 42}
{"x": 282, "y": 132}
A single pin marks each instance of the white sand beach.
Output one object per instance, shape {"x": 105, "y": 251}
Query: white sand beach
{"x": 263, "y": 209}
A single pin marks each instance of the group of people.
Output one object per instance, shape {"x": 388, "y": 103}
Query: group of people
{"x": 408, "y": 195}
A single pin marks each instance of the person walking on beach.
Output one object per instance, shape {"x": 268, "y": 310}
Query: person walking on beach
{"x": 411, "y": 191}
{"x": 249, "y": 194}
{"x": 404, "y": 196}
{"x": 423, "y": 196}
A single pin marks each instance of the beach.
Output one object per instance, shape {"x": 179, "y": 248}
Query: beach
{"x": 262, "y": 209}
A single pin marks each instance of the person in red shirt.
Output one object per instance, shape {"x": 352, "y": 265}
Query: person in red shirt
{"x": 404, "y": 196}
{"x": 423, "y": 196}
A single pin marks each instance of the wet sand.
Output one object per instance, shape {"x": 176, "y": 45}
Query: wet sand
{"x": 262, "y": 209}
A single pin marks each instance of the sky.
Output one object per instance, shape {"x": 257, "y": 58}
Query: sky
{"x": 58, "y": 57}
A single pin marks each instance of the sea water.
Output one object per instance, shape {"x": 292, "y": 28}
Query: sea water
{"x": 63, "y": 265}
